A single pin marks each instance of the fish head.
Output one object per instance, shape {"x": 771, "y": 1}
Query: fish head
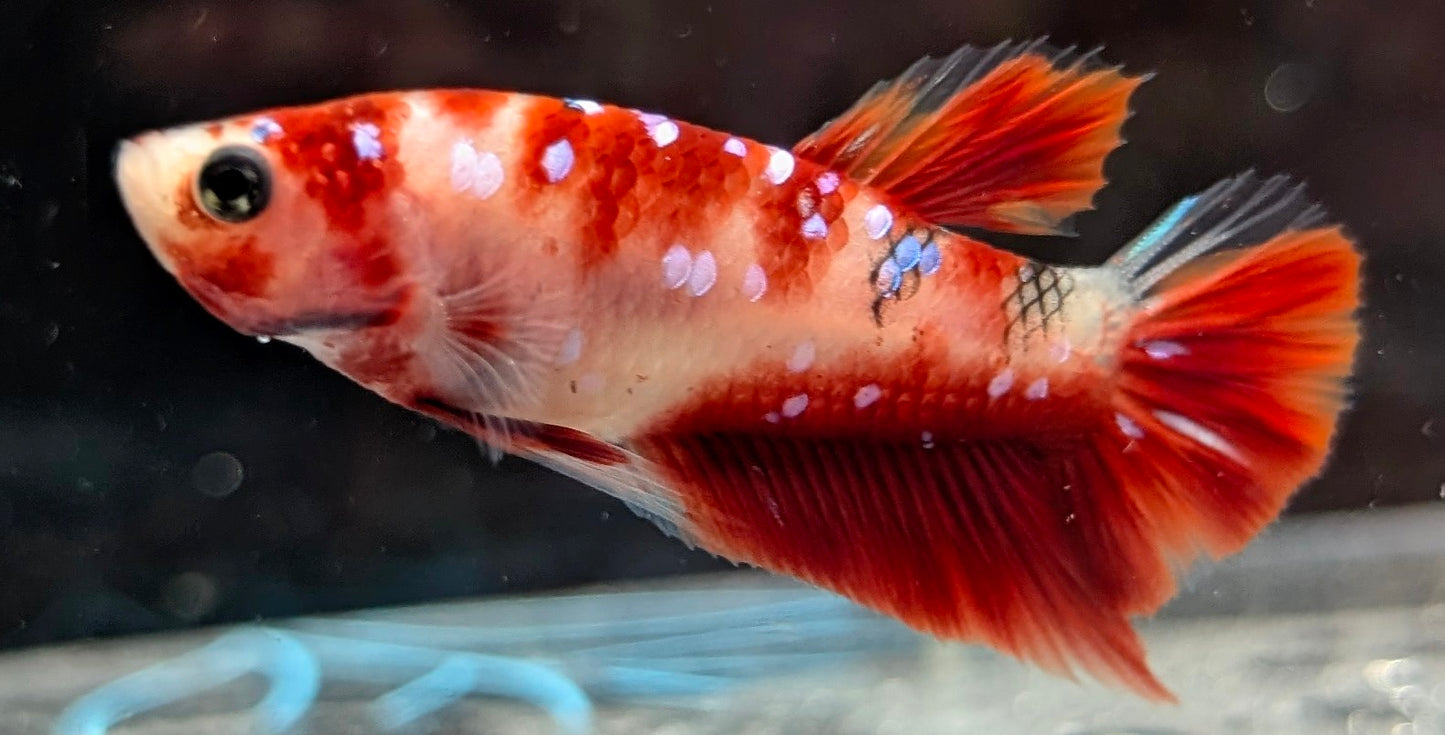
{"x": 278, "y": 223}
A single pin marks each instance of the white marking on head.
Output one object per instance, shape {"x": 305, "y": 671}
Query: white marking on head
{"x": 867, "y": 395}
{"x": 1037, "y": 390}
{"x": 755, "y": 282}
{"x": 704, "y": 274}
{"x": 591, "y": 383}
{"x": 780, "y": 166}
{"x": 802, "y": 358}
{"x": 365, "y": 138}
{"x": 571, "y": 348}
{"x": 878, "y": 221}
{"x": 827, "y": 182}
{"x": 736, "y": 147}
{"x": 814, "y": 227}
{"x": 676, "y": 266}
{"x": 557, "y": 160}
{"x": 1001, "y": 383}
{"x": 1188, "y": 428}
{"x": 1128, "y": 426}
{"x": 1163, "y": 349}
{"x": 794, "y": 406}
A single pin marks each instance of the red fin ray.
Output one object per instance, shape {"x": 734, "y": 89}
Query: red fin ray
{"x": 1234, "y": 373}
{"x": 1011, "y": 138}
{"x": 999, "y": 542}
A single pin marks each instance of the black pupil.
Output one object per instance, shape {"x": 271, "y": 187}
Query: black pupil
{"x": 234, "y": 184}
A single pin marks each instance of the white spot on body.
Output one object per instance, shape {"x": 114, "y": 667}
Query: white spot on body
{"x": 571, "y": 349}
{"x": 772, "y": 417}
{"x": 664, "y": 133}
{"x": 586, "y": 107}
{"x": 1187, "y": 427}
{"x": 780, "y": 166}
{"x": 365, "y": 139}
{"x": 736, "y": 147}
{"x": 479, "y": 174}
{"x": 803, "y": 356}
{"x": 264, "y": 339}
{"x": 755, "y": 282}
{"x": 877, "y": 221}
{"x": 867, "y": 396}
{"x": 1037, "y": 390}
{"x": 827, "y": 182}
{"x": 1128, "y": 426}
{"x": 662, "y": 130}
{"x": 1001, "y": 383}
{"x": 927, "y": 439}
{"x": 794, "y": 406}
{"x": 1061, "y": 350}
{"x": 464, "y": 165}
{"x": 557, "y": 160}
{"x": 1026, "y": 272}
{"x": 814, "y": 227}
{"x": 1163, "y": 349}
{"x": 704, "y": 274}
{"x": 676, "y": 266}
{"x": 591, "y": 383}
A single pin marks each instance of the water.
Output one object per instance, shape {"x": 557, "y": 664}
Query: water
{"x": 163, "y": 479}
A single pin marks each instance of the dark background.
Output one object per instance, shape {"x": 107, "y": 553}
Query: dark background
{"x": 113, "y": 384}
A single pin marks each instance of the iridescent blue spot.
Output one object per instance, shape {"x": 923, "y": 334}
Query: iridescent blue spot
{"x": 905, "y": 253}
{"x": 930, "y": 259}
{"x": 890, "y": 278}
{"x": 265, "y": 129}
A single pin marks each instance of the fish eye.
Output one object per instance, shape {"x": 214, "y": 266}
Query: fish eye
{"x": 234, "y": 184}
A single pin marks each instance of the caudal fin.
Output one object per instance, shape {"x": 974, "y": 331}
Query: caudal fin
{"x": 1011, "y": 138}
{"x": 1234, "y": 373}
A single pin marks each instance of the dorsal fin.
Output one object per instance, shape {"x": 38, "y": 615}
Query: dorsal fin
{"x": 1011, "y": 138}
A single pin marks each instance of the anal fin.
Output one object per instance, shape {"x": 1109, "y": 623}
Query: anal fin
{"x": 1003, "y": 542}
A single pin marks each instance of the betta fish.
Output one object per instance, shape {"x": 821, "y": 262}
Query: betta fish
{"x": 796, "y": 358}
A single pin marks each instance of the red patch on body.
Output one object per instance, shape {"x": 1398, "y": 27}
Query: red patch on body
{"x": 317, "y": 144}
{"x": 470, "y": 108}
{"x": 625, "y": 183}
{"x": 799, "y": 228}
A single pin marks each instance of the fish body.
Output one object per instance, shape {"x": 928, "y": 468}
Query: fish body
{"x": 789, "y": 356}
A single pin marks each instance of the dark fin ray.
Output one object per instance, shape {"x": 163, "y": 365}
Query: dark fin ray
{"x": 1011, "y": 138}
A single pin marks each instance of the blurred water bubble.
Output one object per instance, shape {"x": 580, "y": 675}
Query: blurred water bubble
{"x": 217, "y": 474}
{"x": 190, "y": 596}
{"x": 52, "y": 333}
{"x": 569, "y": 17}
{"x": 1290, "y": 86}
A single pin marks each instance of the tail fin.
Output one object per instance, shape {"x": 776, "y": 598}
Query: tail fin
{"x": 1011, "y": 138}
{"x": 1233, "y": 375}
